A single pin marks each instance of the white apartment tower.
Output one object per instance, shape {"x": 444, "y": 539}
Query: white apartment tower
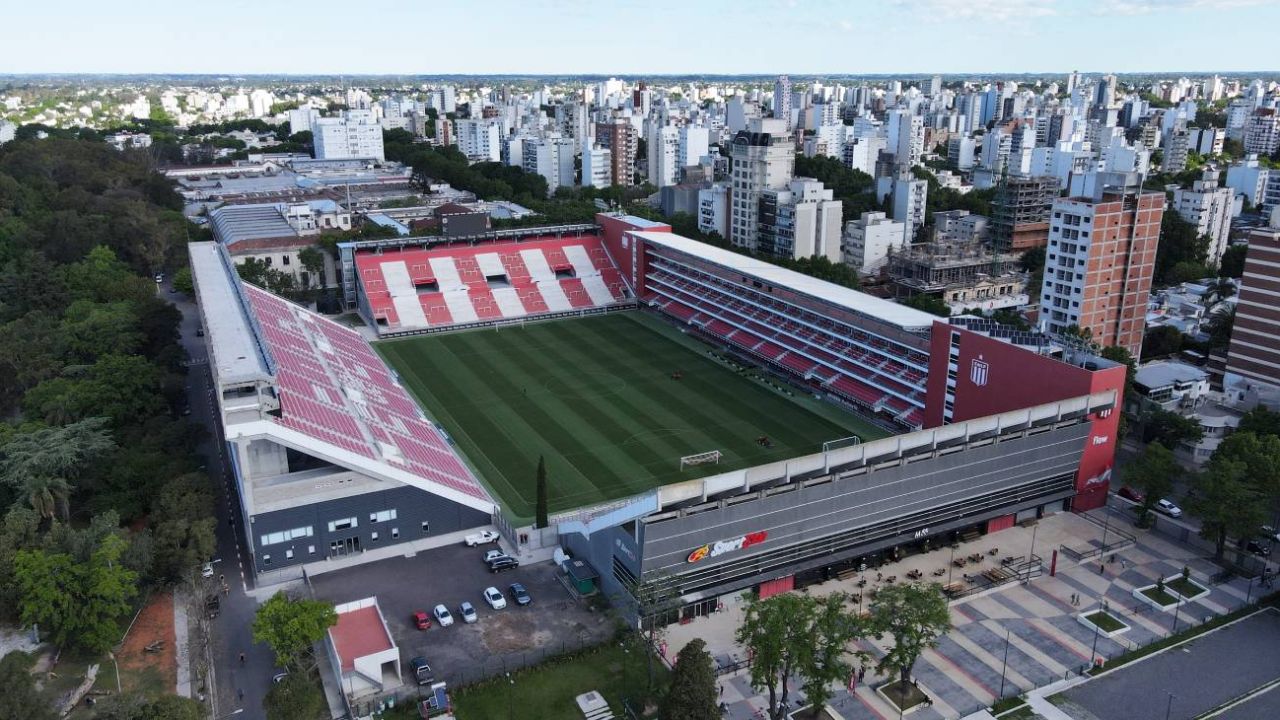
{"x": 695, "y": 142}
{"x": 664, "y": 151}
{"x": 356, "y": 134}
{"x": 479, "y": 140}
{"x": 552, "y": 158}
{"x": 762, "y": 157}
{"x": 597, "y": 167}
{"x": 868, "y": 239}
{"x": 1208, "y": 207}
{"x": 782, "y": 100}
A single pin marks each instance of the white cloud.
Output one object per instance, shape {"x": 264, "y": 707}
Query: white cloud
{"x": 1147, "y": 7}
{"x": 989, "y": 10}
{"x": 845, "y": 25}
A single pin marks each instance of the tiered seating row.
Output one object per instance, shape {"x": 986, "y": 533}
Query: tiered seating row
{"x": 334, "y": 388}
{"x": 870, "y": 378}
{"x": 462, "y": 276}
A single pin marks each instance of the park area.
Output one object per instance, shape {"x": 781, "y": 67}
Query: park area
{"x": 611, "y": 402}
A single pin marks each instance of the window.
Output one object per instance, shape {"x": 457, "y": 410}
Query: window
{"x": 426, "y": 527}
{"x": 395, "y": 533}
{"x": 288, "y": 554}
{"x": 286, "y": 535}
{"x": 311, "y": 549}
{"x": 382, "y": 516}
{"x": 284, "y": 259}
{"x": 266, "y": 559}
{"x": 373, "y": 536}
{"x": 343, "y": 524}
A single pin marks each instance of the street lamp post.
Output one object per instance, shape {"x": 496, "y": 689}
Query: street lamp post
{"x": 952, "y": 563}
{"x": 1176, "y": 608}
{"x": 1005, "y": 663}
{"x": 1093, "y": 654}
{"x": 511, "y": 713}
{"x": 1168, "y": 709}
{"x": 1106, "y": 525}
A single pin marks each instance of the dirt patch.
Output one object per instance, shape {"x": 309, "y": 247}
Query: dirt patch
{"x": 151, "y": 672}
{"x": 506, "y": 633}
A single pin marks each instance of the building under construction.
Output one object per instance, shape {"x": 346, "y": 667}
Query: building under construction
{"x": 1020, "y": 212}
{"x": 961, "y": 274}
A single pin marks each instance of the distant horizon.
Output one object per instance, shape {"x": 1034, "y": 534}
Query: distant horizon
{"x": 656, "y": 38}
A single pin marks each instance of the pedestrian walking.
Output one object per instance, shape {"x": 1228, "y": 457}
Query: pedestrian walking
{"x": 862, "y": 673}
{"x": 722, "y": 691}
{"x": 240, "y": 692}
{"x": 241, "y": 658}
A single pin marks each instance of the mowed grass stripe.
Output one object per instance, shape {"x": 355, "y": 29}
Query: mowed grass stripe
{"x": 536, "y": 420}
{"x": 595, "y": 397}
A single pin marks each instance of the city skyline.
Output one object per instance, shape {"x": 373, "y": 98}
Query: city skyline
{"x": 658, "y": 38}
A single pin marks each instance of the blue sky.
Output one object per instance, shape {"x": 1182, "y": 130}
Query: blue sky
{"x": 638, "y": 37}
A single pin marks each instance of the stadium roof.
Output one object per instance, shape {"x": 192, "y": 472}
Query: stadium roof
{"x": 235, "y": 223}
{"x": 234, "y": 350}
{"x": 888, "y": 311}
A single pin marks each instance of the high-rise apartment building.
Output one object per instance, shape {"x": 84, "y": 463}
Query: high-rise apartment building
{"x": 1262, "y": 132}
{"x": 782, "y": 100}
{"x": 1208, "y": 207}
{"x": 1254, "y": 352}
{"x": 868, "y": 239}
{"x": 762, "y": 157}
{"x": 597, "y": 167}
{"x": 1020, "y": 212}
{"x": 356, "y": 134}
{"x": 619, "y": 137}
{"x": 480, "y": 140}
{"x": 909, "y": 195}
{"x": 663, "y": 145}
{"x": 552, "y": 158}
{"x": 695, "y": 142}
{"x": 1100, "y": 260}
{"x": 802, "y": 220}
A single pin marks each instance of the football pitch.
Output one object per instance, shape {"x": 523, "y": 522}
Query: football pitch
{"x": 596, "y": 397}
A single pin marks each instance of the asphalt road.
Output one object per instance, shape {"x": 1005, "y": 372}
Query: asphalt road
{"x": 238, "y": 686}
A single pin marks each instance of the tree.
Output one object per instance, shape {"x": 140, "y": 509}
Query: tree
{"x": 291, "y": 626}
{"x": 182, "y": 281}
{"x": 21, "y": 699}
{"x": 915, "y": 616}
{"x": 296, "y": 697}
{"x": 833, "y": 630}
{"x": 928, "y": 303}
{"x": 1226, "y": 502}
{"x": 136, "y": 706}
{"x": 183, "y": 533}
{"x": 1232, "y": 263}
{"x": 1152, "y": 473}
{"x": 1162, "y": 340}
{"x": 773, "y": 632}
{"x": 1260, "y": 455}
{"x": 692, "y": 692}
{"x": 1260, "y": 421}
{"x": 541, "y": 508}
{"x": 312, "y": 258}
{"x": 42, "y": 462}
{"x": 1171, "y": 429}
{"x": 1179, "y": 243}
{"x": 79, "y": 604}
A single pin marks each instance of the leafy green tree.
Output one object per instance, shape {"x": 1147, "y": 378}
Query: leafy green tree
{"x": 1227, "y": 504}
{"x": 692, "y": 692}
{"x": 541, "y": 503}
{"x": 774, "y": 634}
{"x": 125, "y": 388}
{"x": 915, "y": 616}
{"x": 297, "y": 697}
{"x": 136, "y": 706}
{"x": 1171, "y": 429}
{"x": 1232, "y": 263}
{"x": 1179, "y": 243}
{"x": 1160, "y": 341}
{"x": 76, "y": 604}
{"x": 19, "y": 530}
{"x": 41, "y": 463}
{"x": 21, "y": 699}
{"x": 312, "y": 258}
{"x": 182, "y": 281}
{"x": 183, "y": 533}
{"x": 832, "y": 631}
{"x": 291, "y": 626}
{"x": 928, "y": 303}
{"x": 1260, "y": 421}
{"x": 1260, "y": 454}
{"x": 1152, "y": 473}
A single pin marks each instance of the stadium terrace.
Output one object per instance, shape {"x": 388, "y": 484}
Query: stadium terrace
{"x": 711, "y": 423}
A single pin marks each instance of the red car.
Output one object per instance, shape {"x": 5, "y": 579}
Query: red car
{"x": 1129, "y": 493}
{"x": 421, "y": 620}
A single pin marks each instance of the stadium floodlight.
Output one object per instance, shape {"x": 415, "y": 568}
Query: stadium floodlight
{"x": 712, "y": 456}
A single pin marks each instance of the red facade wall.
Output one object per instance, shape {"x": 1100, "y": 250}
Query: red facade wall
{"x": 614, "y": 228}
{"x": 769, "y": 588}
{"x": 1014, "y": 378}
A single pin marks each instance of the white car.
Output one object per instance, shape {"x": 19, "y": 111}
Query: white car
{"x": 494, "y": 598}
{"x": 207, "y": 570}
{"x": 491, "y": 555}
{"x": 1168, "y": 508}
{"x": 1270, "y": 533}
{"x": 483, "y": 537}
{"x": 468, "y": 612}
{"x": 443, "y": 618}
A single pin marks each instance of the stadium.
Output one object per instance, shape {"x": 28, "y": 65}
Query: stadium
{"x": 709, "y": 422}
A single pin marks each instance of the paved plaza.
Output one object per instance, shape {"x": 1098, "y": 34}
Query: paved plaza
{"x": 1033, "y": 625}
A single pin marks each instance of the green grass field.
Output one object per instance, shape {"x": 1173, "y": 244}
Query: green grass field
{"x": 595, "y": 397}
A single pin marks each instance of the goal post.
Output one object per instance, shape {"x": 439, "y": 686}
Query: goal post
{"x": 711, "y": 456}
{"x": 836, "y": 444}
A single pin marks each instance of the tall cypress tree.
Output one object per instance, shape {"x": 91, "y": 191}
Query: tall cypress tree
{"x": 692, "y": 694}
{"x": 541, "y": 520}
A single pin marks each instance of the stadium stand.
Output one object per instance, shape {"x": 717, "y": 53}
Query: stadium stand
{"x": 873, "y": 365}
{"x": 453, "y": 285}
{"x": 334, "y": 388}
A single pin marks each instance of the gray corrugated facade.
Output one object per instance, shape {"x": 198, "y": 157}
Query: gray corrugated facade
{"x": 413, "y": 508}
{"x": 821, "y": 521}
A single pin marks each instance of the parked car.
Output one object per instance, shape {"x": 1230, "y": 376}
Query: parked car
{"x": 484, "y": 537}
{"x": 421, "y": 620}
{"x": 421, "y": 670}
{"x": 520, "y": 595}
{"x": 494, "y": 598}
{"x": 199, "y": 331}
{"x": 1270, "y": 533}
{"x": 1129, "y": 493}
{"x": 159, "y": 278}
{"x": 279, "y": 678}
{"x": 207, "y": 570}
{"x": 1164, "y": 505}
{"x": 442, "y": 615}
{"x": 491, "y": 555}
{"x": 503, "y": 563}
{"x": 468, "y": 612}
{"x": 1258, "y": 547}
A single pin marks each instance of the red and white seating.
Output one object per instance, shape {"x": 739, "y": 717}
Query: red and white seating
{"x": 846, "y": 360}
{"x": 334, "y": 388}
{"x": 409, "y": 289}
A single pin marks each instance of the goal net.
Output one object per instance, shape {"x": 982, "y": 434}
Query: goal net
{"x": 850, "y": 441}
{"x": 700, "y": 459}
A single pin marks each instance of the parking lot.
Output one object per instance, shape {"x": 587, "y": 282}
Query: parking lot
{"x": 501, "y": 639}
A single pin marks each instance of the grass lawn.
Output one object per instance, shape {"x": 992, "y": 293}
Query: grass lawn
{"x": 903, "y": 694}
{"x": 595, "y": 397}
{"x": 1104, "y": 621}
{"x": 547, "y": 691}
{"x": 1159, "y": 597}
{"x": 1184, "y": 587}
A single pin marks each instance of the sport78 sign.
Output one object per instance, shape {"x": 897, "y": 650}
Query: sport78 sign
{"x": 721, "y": 547}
